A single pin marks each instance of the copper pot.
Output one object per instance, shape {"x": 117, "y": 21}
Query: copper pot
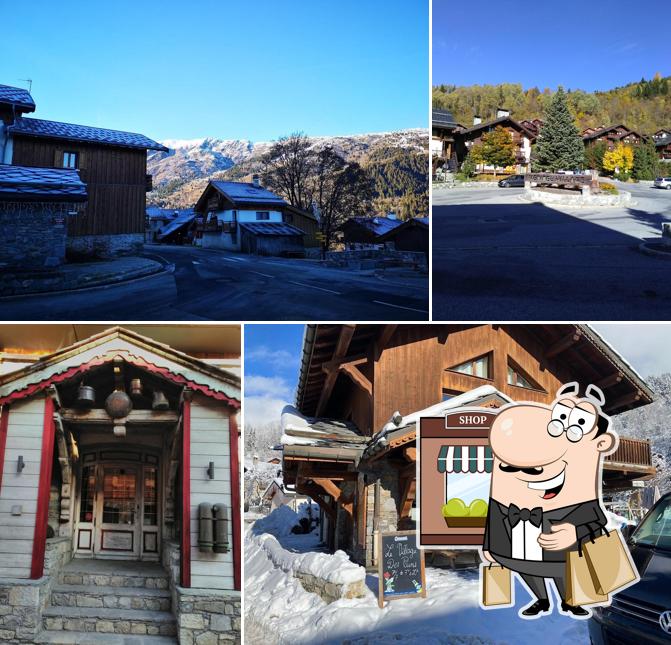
{"x": 118, "y": 404}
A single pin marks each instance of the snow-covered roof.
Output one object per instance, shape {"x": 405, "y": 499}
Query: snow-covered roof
{"x": 408, "y": 423}
{"x": 175, "y": 224}
{"x": 242, "y": 192}
{"x": 299, "y": 430}
{"x": 377, "y": 225}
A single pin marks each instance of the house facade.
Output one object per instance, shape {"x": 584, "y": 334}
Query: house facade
{"x": 245, "y": 217}
{"x": 611, "y": 136}
{"x": 365, "y": 232}
{"x": 111, "y": 164}
{"x": 350, "y": 442}
{"x": 443, "y": 129}
{"x": 120, "y": 493}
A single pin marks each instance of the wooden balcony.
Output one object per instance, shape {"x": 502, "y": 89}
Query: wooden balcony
{"x": 632, "y": 460}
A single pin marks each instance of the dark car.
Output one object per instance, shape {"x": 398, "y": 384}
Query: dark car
{"x": 642, "y": 613}
{"x": 514, "y": 181}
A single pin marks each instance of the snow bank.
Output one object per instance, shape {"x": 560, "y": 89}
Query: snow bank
{"x": 336, "y": 569}
{"x": 279, "y": 611}
{"x": 278, "y": 523}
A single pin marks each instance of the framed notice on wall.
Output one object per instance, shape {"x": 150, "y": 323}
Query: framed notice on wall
{"x": 400, "y": 567}
{"x": 454, "y": 473}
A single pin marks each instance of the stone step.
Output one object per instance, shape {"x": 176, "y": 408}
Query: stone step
{"x": 86, "y": 638}
{"x": 108, "y": 573}
{"x": 64, "y": 595}
{"x": 140, "y": 622}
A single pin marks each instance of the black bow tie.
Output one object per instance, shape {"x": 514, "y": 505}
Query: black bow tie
{"x": 516, "y": 515}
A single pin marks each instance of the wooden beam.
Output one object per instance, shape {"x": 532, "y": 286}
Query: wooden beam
{"x": 408, "y": 496}
{"x": 317, "y": 495}
{"x": 383, "y": 339}
{"x": 410, "y": 453}
{"x": 610, "y": 380}
{"x": 627, "y": 399}
{"x": 342, "y": 345}
{"x": 358, "y": 378}
{"x": 563, "y": 344}
{"x": 329, "y": 486}
{"x": 357, "y": 359}
{"x": 100, "y": 416}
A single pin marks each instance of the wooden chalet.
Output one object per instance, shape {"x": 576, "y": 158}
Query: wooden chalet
{"x": 350, "y": 442}
{"x": 363, "y": 232}
{"x": 411, "y": 235}
{"x": 110, "y": 445}
{"x": 246, "y": 217}
{"x": 523, "y": 137}
{"x": 443, "y": 129}
{"x": 112, "y": 165}
{"x": 611, "y": 135}
{"x": 663, "y": 145}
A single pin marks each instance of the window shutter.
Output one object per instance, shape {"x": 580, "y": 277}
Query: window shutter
{"x": 58, "y": 158}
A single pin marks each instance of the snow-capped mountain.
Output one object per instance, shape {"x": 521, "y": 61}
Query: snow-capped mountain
{"x": 182, "y": 172}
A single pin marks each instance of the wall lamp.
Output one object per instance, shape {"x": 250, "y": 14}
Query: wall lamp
{"x": 210, "y": 470}
{"x": 20, "y": 465}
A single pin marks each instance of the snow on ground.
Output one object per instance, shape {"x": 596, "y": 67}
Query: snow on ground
{"x": 278, "y": 610}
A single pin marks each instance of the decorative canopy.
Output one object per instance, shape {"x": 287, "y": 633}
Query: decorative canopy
{"x": 465, "y": 459}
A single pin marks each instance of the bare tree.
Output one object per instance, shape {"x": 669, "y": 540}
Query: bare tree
{"x": 288, "y": 165}
{"x": 340, "y": 189}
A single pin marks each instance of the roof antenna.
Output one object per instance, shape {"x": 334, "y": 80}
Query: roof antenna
{"x": 30, "y": 84}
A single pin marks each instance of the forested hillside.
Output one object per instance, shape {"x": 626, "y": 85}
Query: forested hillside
{"x": 644, "y": 106}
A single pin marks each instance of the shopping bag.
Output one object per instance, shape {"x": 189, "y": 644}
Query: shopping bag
{"x": 609, "y": 562}
{"x": 580, "y": 587}
{"x": 496, "y": 585}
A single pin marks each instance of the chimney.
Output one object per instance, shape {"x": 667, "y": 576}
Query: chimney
{"x": 477, "y": 120}
{"x": 501, "y": 112}
{"x": 256, "y": 181}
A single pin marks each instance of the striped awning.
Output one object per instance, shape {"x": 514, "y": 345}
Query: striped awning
{"x": 465, "y": 459}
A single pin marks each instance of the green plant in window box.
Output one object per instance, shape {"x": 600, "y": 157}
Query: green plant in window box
{"x": 458, "y": 515}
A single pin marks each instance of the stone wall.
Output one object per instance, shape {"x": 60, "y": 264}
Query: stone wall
{"x": 104, "y": 246}
{"x": 204, "y": 616}
{"x": 331, "y": 591}
{"x": 374, "y": 258}
{"x": 33, "y": 234}
{"x": 584, "y": 199}
{"x": 22, "y": 601}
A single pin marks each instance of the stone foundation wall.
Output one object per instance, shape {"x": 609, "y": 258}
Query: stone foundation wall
{"x": 372, "y": 258}
{"x": 580, "y": 199}
{"x": 330, "y": 591}
{"x": 104, "y": 246}
{"x": 33, "y": 234}
{"x": 22, "y": 601}
{"x": 207, "y": 617}
{"x": 204, "y": 616}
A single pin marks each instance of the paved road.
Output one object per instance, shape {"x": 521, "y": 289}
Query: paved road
{"x": 215, "y": 285}
{"x": 496, "y": 257}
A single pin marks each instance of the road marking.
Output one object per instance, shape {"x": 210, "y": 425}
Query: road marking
{"x": 223, "y": 257}
{"x": 389, "y": 304}
{"x": 267, "y": 275}
{"x": 302, "y": 284}
{"x": 195, "y": 262}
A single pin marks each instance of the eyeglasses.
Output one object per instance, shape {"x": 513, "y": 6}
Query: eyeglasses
{"x": 574, "y": 433}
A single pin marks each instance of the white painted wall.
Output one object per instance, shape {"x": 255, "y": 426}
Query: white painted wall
{"x": 24, "y": 437}
{"x": 224, "y": 240}
{"x": 210, "y": 441}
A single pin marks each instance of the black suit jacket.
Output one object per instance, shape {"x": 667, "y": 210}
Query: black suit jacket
{"x": 587, "y": 517}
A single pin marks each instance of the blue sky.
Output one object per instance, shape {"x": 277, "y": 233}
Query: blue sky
{"x": 272, "y": 360}
{"x": 594, "y": 45}
{"x": 174, "y": 69}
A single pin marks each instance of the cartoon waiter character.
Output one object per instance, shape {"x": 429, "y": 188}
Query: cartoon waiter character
{"x": 545, "y": 489}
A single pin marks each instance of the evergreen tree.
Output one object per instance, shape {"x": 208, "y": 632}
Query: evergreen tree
{"x": 559, "y": 145}
{"x": 594, "y": 155}
{"x": 646, "y": 163}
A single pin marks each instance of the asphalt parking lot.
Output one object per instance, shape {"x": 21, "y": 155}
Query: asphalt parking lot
{"x": 497, "y": 257}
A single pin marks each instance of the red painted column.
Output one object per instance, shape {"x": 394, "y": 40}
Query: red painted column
{"x": 235, "y": 497}
{"x": 4, "y": 423}
{"x": 43, "y": 491}
{"x": 186, "y": 494}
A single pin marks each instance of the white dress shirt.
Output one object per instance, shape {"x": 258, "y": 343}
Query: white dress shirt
{"x": 525, "y": 541}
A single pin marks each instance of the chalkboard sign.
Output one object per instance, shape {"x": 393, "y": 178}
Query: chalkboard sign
{"x": 401, "y": 567}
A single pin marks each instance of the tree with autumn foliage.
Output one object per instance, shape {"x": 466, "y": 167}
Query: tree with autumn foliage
{"x": 619, "y": 160}
{"x": 497, "y": 148}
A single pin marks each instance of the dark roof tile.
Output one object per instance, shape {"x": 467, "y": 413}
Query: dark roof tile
{"x": 47, "y": 184}
{"x": 17, "y": 96}
{"x": 73, "y": 132}
{"x": 271, "y": 228}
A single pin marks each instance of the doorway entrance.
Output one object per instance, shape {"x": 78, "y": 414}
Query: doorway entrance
{"x": 118, "y": 506}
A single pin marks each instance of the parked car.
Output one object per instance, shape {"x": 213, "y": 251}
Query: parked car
{"x": 514, "y": 181}
{"x": 641, "y": 613}
{"x": 662, "y": 182}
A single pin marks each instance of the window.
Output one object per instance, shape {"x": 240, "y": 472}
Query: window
{"x": 479, "y": 367}
{"x": 262, "y": 215}
{"x": 519, "y": 378}
{"x": 70, "y": 159}
{"x": 150, "y": 496}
